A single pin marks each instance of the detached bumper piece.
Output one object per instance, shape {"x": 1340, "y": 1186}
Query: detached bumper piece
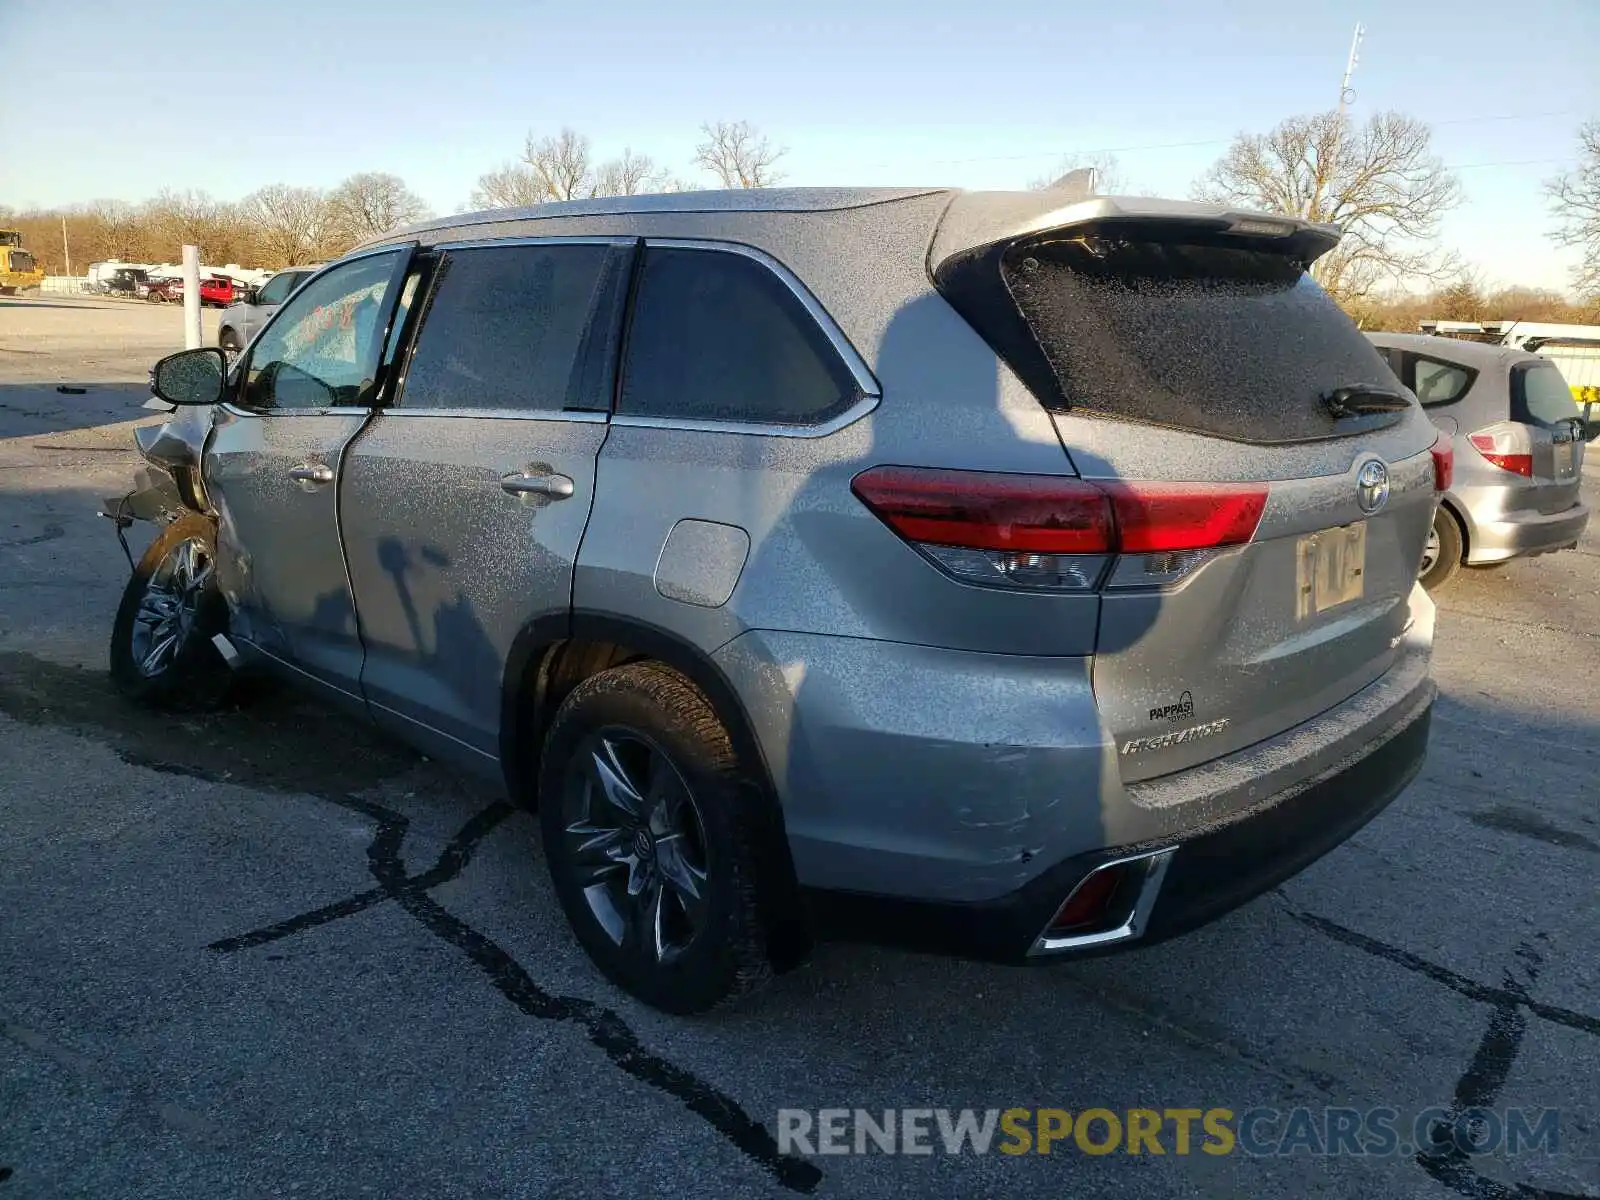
{"x": 1136, "y": 895}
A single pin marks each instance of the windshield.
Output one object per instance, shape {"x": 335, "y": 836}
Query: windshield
{"x": 1540, "y": 395}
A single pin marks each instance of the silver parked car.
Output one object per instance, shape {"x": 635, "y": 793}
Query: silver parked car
{"x": 1519, "y": 439}
{"x": 970, "y": 570}
{"x": 239, "y": 322}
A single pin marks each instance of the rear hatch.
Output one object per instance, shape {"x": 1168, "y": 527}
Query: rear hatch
{"x": 1272, "y": 480}
{"x": 1551, "y": 428}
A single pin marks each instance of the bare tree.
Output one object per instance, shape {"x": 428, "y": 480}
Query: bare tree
{"x": 1380, "y": 181}
{"x": 291, "y": 222}
{"x": 562, "y": 163}
{"x": 512, "y": 186}
{"x": 629, "y": 175}
{"x": 1575, "y": 197}
{"x": 1462, "y": 300}
{"x": 373, "y": 202}
{"x": 1109, "y": 178}
{"x": 738, "y": 154}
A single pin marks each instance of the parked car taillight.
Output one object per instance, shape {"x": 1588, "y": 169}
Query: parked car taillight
{"x": 1498, "y": 448}
{"x": 1043, "y": 532}
{"x": 1444, "y": 463}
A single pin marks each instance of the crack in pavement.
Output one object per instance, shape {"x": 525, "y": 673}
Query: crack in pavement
{"x": 1481, "y": 1084}
{"x": 1470, "y": 988}
{"x": 51, "y": 533}
{"x": 605, "y": 1028}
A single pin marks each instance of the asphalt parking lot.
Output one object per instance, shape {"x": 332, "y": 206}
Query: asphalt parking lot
{"x": 265, "y": 953}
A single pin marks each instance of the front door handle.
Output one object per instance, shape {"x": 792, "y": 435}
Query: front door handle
{"x": 556, "y": 487}
{"x": 311, "y": 473}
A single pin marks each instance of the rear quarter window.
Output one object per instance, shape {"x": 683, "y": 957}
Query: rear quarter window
{"x": 717, "y": 336}
{"x": 1437, "y": 382}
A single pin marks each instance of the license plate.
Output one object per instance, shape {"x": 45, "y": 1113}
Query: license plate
{"x": 1330, "y": 569}
{"x": 1566, "y": 458}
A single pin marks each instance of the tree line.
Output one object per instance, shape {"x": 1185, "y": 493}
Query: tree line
{"x": 1380, "y": 180}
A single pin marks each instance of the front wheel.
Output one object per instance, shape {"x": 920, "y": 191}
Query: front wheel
{"x": 162, "y": 654}
{"x": 654, "y": 839}
{"x": 1441, "y": 555}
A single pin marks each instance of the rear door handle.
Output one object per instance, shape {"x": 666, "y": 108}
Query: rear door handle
{"x": 556, "y": 487}
{"x": 311, "y": 473}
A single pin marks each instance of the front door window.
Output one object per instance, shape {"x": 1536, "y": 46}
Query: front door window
{"x": 321, "y": 350}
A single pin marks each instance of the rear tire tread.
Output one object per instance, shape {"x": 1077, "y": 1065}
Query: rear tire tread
{"x": 671, "y": 710}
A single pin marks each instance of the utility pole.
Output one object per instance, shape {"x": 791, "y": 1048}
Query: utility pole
{"x": 65, "y": 252}
{"x": 1347, "y": 94}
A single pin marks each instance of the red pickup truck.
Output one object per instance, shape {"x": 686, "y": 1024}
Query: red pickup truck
{"x": 215, "y": 290}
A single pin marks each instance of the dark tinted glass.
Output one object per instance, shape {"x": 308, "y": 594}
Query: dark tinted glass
{"x": 1440, "y": 382}
{"x": 717, "y": 336}
{"x": 1540, "y": 396}
{"x": 276, "y": 289}
{"x": 519, "y": 328}
{"x": 1225, "y": 340}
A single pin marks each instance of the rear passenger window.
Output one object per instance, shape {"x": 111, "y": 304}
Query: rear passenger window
{"x": 718, "y": 336}
{"x": 519, "y": 328}
{"x": 1440, "y": 382}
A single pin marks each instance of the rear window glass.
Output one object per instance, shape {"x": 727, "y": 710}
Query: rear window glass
{"x": 1440, "y": 382}
{"x": 718, "y": 336}
{"x": 1223, "y": 340}
{"x": 1540, "y": 396}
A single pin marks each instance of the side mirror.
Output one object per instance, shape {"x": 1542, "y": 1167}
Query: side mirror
{"x": 192, "y": 377}
{"x": 251, "y": 295}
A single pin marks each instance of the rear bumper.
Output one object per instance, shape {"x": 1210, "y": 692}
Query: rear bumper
{"x": 1502, "y": 536}
{"x": 978, "y": 788}
{"x": 1209, "y": 873}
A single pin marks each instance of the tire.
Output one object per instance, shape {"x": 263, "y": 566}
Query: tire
{"x": 662, "y": 894}
{"x": 1441, "y": 558}
{"x": 172, "y": 601}
{"x": 229, "y": 342}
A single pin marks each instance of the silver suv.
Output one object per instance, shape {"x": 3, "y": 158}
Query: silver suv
{"x": 240, "y": 321}
{"x": 958, "y": 569}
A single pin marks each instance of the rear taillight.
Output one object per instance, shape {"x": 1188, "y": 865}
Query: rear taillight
{"x": 1498, "y": 448}
{"x": 1059, "y": 534}
{"x": 1444, "y": 463}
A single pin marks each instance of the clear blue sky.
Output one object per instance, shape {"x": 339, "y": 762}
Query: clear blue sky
{"x": 972, "y": 94}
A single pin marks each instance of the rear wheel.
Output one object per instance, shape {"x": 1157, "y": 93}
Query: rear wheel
{"x": 1441, "y": 556}
{"x": 653, "y": 839}
{"x": 161, "y": 649}
{"x": 230, "y": 343}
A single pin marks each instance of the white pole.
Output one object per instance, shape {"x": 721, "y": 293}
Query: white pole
{"x": 65, "y": 251}
{"x": 1347, "y": 94}
{"x": 191, "y": 297}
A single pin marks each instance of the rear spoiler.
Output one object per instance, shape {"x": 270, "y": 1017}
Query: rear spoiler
{"x": 976, "y": 221}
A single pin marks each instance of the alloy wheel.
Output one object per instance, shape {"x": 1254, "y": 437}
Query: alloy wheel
{"x": 167, "y": 610}
{"x": 1430, "y": 551}
{"x": 636, "y": 843}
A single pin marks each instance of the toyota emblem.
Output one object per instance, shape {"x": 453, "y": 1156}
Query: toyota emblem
{"x": 1372, "y": 486}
